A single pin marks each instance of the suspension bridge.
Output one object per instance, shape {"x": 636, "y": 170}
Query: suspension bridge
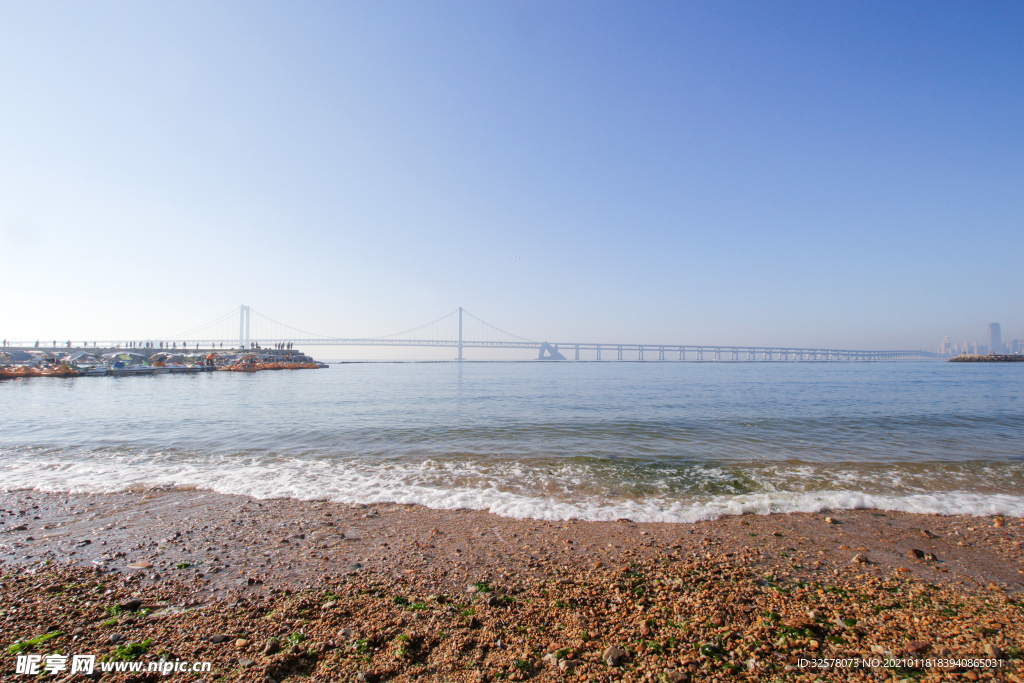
{"x": 461, "y": 330}
{"x": 247, "y": 328}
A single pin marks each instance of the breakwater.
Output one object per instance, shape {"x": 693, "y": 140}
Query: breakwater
{"x": 987, "y": 358}
{"x": 94, "y": 362}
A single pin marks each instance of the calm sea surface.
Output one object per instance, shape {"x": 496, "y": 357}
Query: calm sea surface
{"x": 647, "y": 441}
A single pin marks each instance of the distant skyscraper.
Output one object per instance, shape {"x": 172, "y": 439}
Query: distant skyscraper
{"x": 995, "y": 335}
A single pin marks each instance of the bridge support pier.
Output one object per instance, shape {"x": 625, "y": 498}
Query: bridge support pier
{"x": 577, "y": 352}
{"x": 599, "y": 352}
{"x": 552, "y": 352}
{"x": 620, "y": 353}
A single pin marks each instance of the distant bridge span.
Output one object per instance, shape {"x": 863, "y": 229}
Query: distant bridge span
{"x": 462, "y": 330}
{"x": 557, "y": 351}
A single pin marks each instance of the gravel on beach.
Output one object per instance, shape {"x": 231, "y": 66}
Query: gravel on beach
{"x": 748, "y": 598}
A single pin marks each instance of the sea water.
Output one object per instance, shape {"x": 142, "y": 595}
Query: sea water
{"x": 648, "y": 441}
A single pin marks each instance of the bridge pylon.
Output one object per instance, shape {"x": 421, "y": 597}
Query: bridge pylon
{"x": 243, "y": 326}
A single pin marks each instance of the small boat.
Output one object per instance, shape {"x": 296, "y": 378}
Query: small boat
{"x": 60, "y": 370}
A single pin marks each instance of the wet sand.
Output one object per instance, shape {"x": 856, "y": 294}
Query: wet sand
{"x": 419, "y": 594}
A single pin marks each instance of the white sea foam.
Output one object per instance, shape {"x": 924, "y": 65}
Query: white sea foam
{"x": 513, "y": 489}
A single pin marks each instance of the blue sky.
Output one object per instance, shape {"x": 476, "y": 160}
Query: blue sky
{"x": 828, "y": 174}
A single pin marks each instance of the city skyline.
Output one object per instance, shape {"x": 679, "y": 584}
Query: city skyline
{"x": 840, "y": 176}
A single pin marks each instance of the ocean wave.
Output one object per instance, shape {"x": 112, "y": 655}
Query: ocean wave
{"x": 550, "y": 491}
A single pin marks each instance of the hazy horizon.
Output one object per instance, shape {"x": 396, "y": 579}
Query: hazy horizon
{"x": 845, "y": 175}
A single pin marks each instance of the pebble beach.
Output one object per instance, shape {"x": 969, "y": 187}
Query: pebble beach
{"x": 274, "y": 590}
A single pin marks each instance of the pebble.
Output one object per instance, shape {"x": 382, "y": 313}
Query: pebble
{"x": 219, "y": 638}
{"x": 53, "y": 588}
{"x": 115, "y": 638}
{"x": 241, "y": 642}
{"x": 860, "y": 558}
{"x": 245, "y": 663}
{"x": 272, "y": 647}
{"x": 614, "y": 656}
{"x": 993, "y": 651}
{"x": 131, "y": 605}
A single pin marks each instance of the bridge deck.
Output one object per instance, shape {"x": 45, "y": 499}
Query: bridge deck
{"x": 619, "y": 351}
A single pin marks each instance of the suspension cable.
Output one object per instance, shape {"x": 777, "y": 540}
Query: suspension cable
{"x": 516, "y": 336}
{"x": 188, "y": 334}
{"x": 414, "y": 329}
{"x": 293, "y": 329}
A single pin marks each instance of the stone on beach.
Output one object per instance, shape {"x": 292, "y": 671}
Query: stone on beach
{"x": 614, "y": 656}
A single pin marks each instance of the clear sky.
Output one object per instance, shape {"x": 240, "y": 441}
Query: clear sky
{"x": 836, "y": 174}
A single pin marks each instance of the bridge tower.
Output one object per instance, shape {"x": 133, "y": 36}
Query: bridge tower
{"x": 460, "y": 334}
{"x": 243, "y": 326}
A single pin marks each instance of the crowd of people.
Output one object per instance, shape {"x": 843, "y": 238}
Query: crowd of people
{"x": 147, "y": 345}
